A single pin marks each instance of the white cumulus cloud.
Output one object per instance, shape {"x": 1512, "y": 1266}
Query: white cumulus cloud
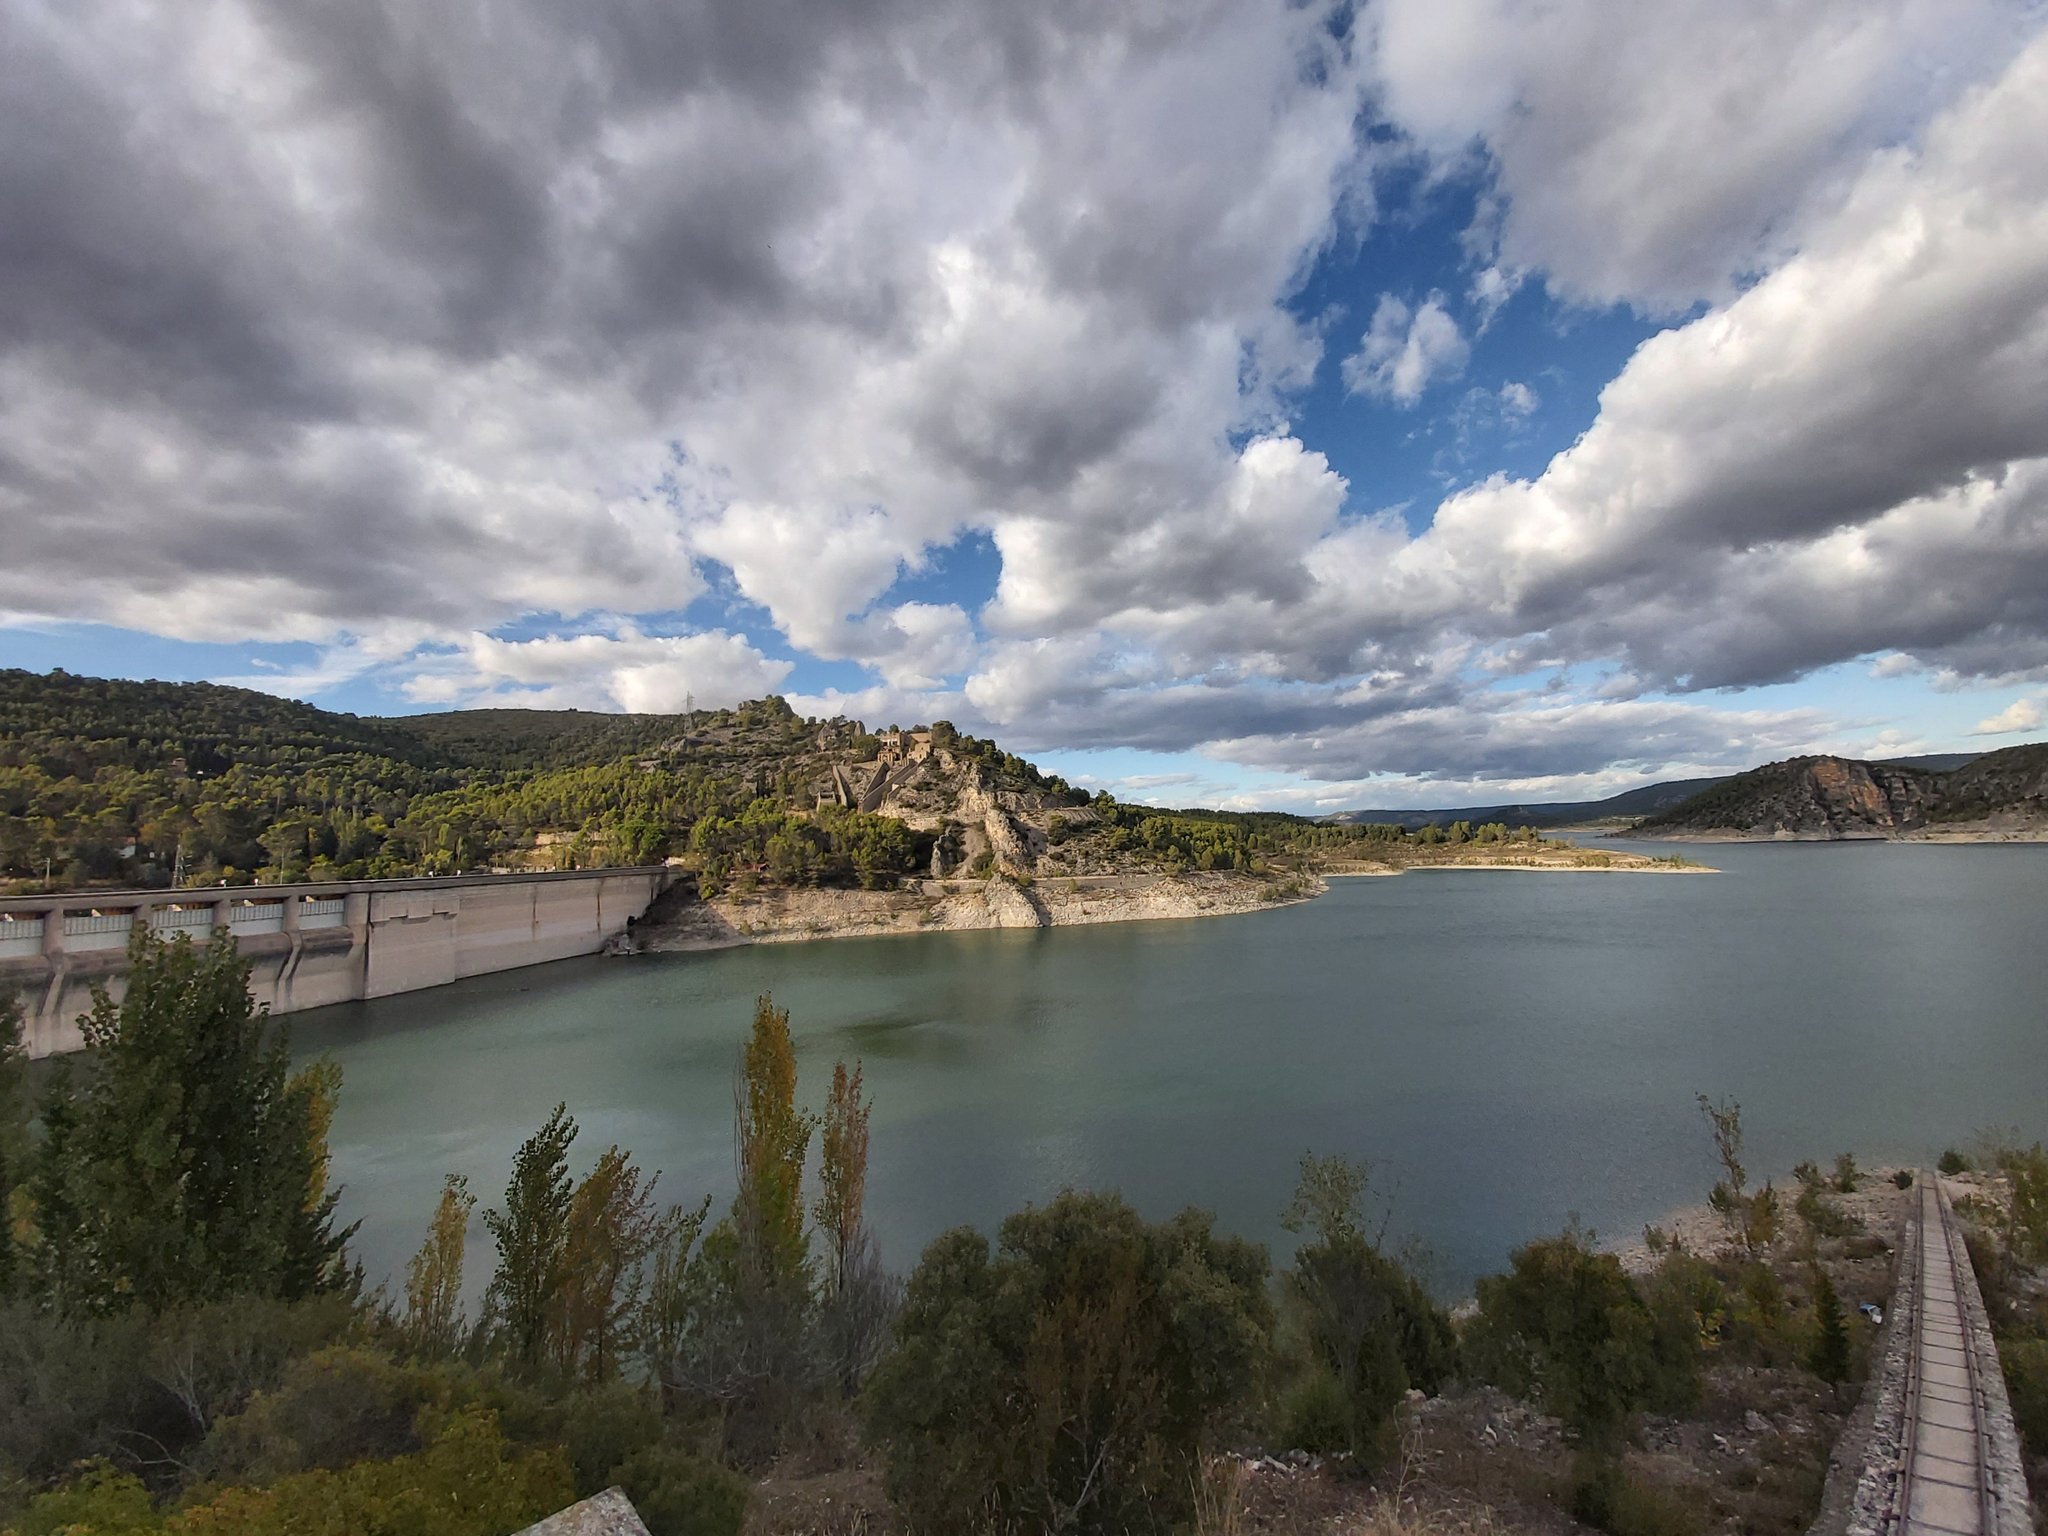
{"x": 1405, "y": 350}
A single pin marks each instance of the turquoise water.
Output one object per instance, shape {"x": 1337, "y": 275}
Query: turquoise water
{"x": 1508, "y": 1048}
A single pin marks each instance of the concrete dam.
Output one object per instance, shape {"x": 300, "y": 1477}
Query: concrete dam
{"x": 313, "y": 944}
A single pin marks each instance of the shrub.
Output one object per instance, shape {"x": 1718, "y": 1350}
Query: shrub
{"x": 1846, "y": 1175}
{"x": 1903, "y": 1179}
{"x": 1070, "y": 1378}
{"x": 602, "y": 1427}
{"x": 1689, "y": 1316}
{"x": 1366, "y": 1320}
{"x": 101, "y": 1502}
{"x": 332, "y": 1408}
{"x": 1316, "y": 1413}
{"x": 467, "y": 1482}
{"x": 1607, "y": 1498}
{"x": 2025, "y": 1363}
{"x": 1952, "y": 1163}
{"x": 1565, "y": 1326}
{"x": 1822, "y": 1217}
{"x": 678, "y": 1494}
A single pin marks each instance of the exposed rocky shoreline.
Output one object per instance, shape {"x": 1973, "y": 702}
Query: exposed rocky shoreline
{"x": 679, "y": 922}
{"x": 939, "y": 906}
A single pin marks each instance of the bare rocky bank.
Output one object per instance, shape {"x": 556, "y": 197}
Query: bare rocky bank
{"x": 679, "y": 923}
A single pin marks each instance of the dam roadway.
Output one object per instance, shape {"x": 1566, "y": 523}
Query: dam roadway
{"x": 314, "y": 944}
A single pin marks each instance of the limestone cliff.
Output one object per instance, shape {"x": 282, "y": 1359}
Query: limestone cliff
{"x": 1826, "y": 798}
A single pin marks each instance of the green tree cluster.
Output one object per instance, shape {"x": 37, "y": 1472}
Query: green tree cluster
{"x": 185, "y": 1165}
{"x": 1070, "y": 1378}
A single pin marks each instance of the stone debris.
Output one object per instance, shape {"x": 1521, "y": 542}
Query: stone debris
{"x": 609, "y": 1513}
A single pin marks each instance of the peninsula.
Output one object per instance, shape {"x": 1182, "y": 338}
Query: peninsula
{"x": 770, "y": 825}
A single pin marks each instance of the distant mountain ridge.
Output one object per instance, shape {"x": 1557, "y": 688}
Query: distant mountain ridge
{"x": 2003, "y": 793}
{"x": 1629, "y": 805}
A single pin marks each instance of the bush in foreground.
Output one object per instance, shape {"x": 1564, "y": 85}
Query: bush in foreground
{"x": 1069, "y": 1379}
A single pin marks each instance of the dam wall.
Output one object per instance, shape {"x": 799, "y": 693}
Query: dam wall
{"x": 313, "y": 944}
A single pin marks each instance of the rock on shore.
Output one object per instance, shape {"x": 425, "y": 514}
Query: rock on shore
{"x": 931, "y": 906}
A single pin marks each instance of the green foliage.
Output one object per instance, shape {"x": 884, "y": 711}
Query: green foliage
{"x": 1903, "y": 1179}
{"x": 774, "y": 1139}
{"x": 1069, "y": 1379}
{"x": 468, "y": 1481}
{"x": 117, "y": 783}
{"x": 1828, "y": 1357}
{"x": 182, "y": 1168}
{"x": 74, "y": 1388}
{"x": 1753, "y": 1220}
{"x": 14, "y": 1143}
{"x": 331, "y": 1408}
{"x": 678, "y": 1494}
{"x": 1846, "y": 1176}
{"x": 1607, "y": 1498}
{"x": 100, "y": 1502}
{"x": 1565, "y": 1326}
{"x": 602, "y": 1427}
{"x": 2025, "y": 1228}
{"x": 1952, "y": 1163}
{"x": 746, "y": 1336}
{"x": 1821, "y": 1216}
{"x": 2024, "y": 1361}
{"x": 532, "y": 1231}
{"x": 1366, "y": 1321}
{"x": 1317, "y": 1415}
{"x": 613, "y": 1228}
{"x": 433, "y": 1321}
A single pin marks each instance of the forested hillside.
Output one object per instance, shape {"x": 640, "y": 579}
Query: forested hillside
{"x": 121, "y": 783}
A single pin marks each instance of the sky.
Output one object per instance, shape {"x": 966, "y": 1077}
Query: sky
{"x": 1271, "y": 402}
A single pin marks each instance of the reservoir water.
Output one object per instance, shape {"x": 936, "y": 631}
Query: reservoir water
{"x": 1507, "y": 1048}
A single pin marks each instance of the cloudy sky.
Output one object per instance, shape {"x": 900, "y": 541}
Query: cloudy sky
{"x": 1268, "y": 401}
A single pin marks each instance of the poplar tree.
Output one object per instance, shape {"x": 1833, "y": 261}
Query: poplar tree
{"x": 613, "y": 1226}
{"x": 433, "y": 1279}
{"x": 532, "y": 1232}
{"x": 188, "y": 1166}
{"x": 774, "y": 1138}
{"x": 842, "y": 1172}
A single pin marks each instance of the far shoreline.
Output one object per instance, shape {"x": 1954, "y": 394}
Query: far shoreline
{"x": 802, "y": 916}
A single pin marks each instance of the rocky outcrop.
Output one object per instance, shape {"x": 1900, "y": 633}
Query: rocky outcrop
{"x": 1828, "y": 798}
{"x": 937, "y": 906}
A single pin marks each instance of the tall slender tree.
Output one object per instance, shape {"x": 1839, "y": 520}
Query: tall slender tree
{"x": 842, "y": 1172}
{"x": 774, "y": 1138}
{"x": 613, "y": 1227}
{"x": 433, "y": 1279}
{"x": 532, "y": 1232}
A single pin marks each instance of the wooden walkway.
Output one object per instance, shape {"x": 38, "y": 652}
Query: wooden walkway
{"x": 1946, "y": 1483}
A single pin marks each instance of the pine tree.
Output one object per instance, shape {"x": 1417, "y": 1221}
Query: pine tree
{"x": 1829, "y": 1359}
{"x": 188, "y": 1167}
{"x": 524, "y": 1297}
{"x": 433, "y": 1279}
